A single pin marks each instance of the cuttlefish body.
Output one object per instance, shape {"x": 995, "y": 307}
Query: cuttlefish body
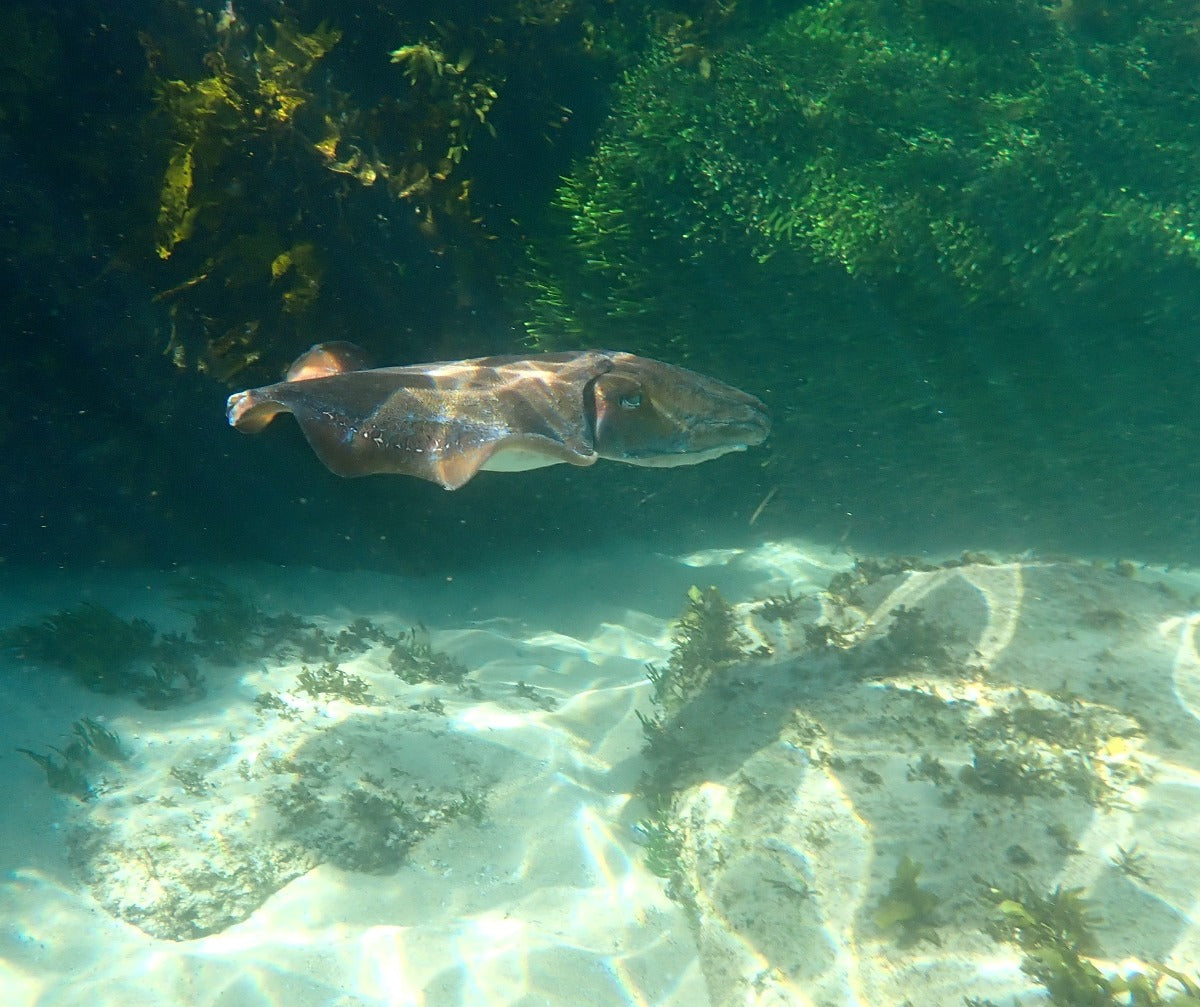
{"x": 446, "y": 421}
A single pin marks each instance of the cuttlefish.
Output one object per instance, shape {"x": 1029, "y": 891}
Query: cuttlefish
{"x": 446, "y": 421}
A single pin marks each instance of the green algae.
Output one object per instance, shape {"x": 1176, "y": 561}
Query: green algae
{"x": 705, "y": 639}
{"x": 907, "y": 910}
{"x": 414, "y": 659}
{"x": 90, "y": 642}
{"x": 330, "y": 682}
{"x": 1055, "y": 931}
{"x": 996, "y": 158}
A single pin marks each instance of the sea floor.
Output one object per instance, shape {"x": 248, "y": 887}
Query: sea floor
{"x": 389, "y": 791}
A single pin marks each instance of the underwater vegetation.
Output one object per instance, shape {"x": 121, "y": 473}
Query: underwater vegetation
{"x": 780, "y": 608}
{"x": 109, "y": 654}
{"x": 414, "y": 660}
{"x": 251, "y": 121}
{"x": 705, "y": 639}
{"x": 1050, "y": 748}
{"x": 912, "y": 640}
{"x": 92, "y": 736}
{"x": 661, "y": 842}
{"x": 62, "y": 774}
{"x": 348, "y": 790}
{"x": 540, "y": 699}
{"x": 367, "y": 827}
{"x": 95, "y": 645}
{"x": 889, "y": 218}
{"x": 1054, "y": 931}
{"x": 301, "y": 158}
{"x": 228, "y": 628}
{"x": 331, "y": 682}
{"x": 66, "y": 769}
{"x": 957, "y": 160}
{"x": 907, "y": 910}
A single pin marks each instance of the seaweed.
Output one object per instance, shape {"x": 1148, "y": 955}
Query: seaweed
{"x": 193, "y": 778}
{"x": 63, "y": 774}
{"x": 383, "y": 827}
{"x": 706, "y": 640}
{"x": 90, "y": 642}
{"x": 243, "y": 95}
{"x": 67, "y": 768}
{"x": 297, "y": 804}
{"x": 224, "y": 631}
{"x": 109, "y": 654}
{"x": 360, "y": 635}
{"x": 95, "y": 737}
{"x": 366, "y": 827}
{"x": 1055, "y": 933}
{"x": 269, "y": 701}
{"x": 907, "y": 911}
{"x": 1047, "y": 747}
{"x": 471, "y": 805}
{"x": 331, "y": 682}
{"x": 415, "y": 660}
{"x": 913, "y": 637}
{"x": 662, "y": 842}
{"x": 228, "y": 628}
{"x": 929, "y": 767}
{"x": 174, "y": 677}
{"x": 527, "y": 691}
{"x": 1063, "y": 838}
{"x": 898, "y": 168}
{"x": 822, "y": 636}
{"x": 897, "y": 145}
{"x": 1132, "y": 863}
{"x": 1012, "y": 771}
{"x": 780, "y": 608}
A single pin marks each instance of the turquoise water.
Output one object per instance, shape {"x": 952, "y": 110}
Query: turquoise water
{"x": 353, "y": 808}
{"x": 898, "y": 706}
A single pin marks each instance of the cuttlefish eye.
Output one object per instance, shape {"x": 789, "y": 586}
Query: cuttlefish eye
{"x": 632, "y": 400}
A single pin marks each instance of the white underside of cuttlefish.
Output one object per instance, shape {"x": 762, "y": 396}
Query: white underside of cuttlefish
{"x": 446, "y": 421}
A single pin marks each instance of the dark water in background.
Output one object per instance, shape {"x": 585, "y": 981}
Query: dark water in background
{"x": 895, "y": 439}
{"x": 1101, "y": 462}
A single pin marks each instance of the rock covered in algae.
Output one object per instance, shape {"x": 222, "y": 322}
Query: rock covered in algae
{"x": 835, "y": 836}
{"x": 955, "y": 159}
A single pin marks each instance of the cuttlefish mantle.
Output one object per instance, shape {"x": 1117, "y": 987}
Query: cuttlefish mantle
{"x": 446, "y": 421}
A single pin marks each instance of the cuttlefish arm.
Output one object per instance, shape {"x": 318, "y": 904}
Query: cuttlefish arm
{"x": 446, "y": 421}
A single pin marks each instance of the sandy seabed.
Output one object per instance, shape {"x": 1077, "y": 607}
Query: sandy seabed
{"x": 478, "y": 843}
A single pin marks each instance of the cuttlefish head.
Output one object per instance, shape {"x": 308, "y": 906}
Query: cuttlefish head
{"x": 645, "y": 412}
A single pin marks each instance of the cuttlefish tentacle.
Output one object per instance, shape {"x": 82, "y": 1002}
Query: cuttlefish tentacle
{"x": 446, "y": 421}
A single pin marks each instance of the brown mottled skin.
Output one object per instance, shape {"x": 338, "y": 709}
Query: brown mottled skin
{"x": 446, "y": 421}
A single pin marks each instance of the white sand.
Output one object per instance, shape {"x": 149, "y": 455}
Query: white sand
{"x": 801, "y": 810}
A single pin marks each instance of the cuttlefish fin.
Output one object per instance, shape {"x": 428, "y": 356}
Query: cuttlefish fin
{"x": 453, "y": 471}
{"x": 359, "y": 454}
{"x": 324, "y": 359}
